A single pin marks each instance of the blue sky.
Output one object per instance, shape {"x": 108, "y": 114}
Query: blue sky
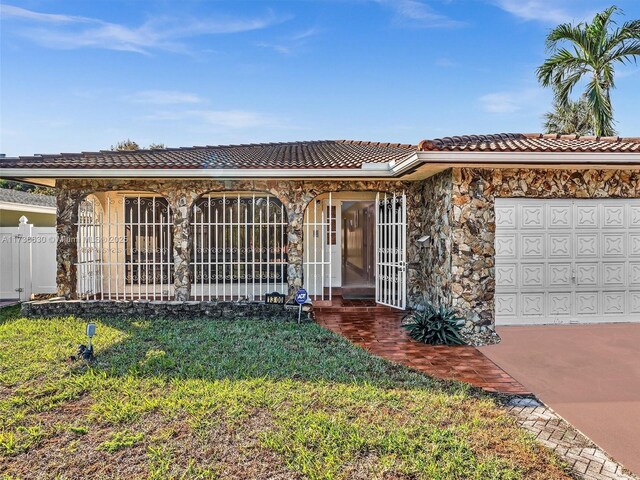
{"x": 82, "y": 75}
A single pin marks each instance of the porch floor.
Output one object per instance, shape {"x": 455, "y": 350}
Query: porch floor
{"x": 377, "y": 329}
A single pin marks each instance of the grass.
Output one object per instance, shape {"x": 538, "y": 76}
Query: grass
{"x": 191, "y": 398}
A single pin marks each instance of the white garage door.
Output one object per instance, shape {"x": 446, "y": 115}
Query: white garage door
{"x": 566, "y": 261}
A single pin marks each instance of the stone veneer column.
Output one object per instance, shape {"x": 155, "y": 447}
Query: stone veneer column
{"x": 68, "y": 201}
{"x": 429, "y": 214}
{"x": 472, "y": 263}
{"x": 295, "y": 212}
{"x": 180, "y": 202}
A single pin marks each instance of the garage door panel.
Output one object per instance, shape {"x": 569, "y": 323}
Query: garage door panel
{"x": 532, "y": 216}
{"x": 635, "y": 216}
{"x": 560, "y": 275}
{"x": 532, "y": 305}
{"x": 507, "y": 275}
{"x": 565, "y": 261}
{"x": 613, "y": 245}
{"x": 587, "y": 274}
{"x": 634, "y": 277}
{"x": 587, "y": 304}
{"x": 635, "y": 302}
{"x": 560, "y": 217}
{"x": 506, "y": 306}
{"x": 560, "y": 304}
{"x": 559, "y": 245}
{"x": 531, "y": 246}
{"x": 532, "y": 276}
{"x": 505, "y": 246}
{"x": 613, "y": 303}
{"x": 586, "y": 245}
{"x": 613, "y": 215}
{"x": 586, "y": 216}
{"x": 634, "y": 248}
{"x": 506, "y": 217}
{"x": 614, "y": 275}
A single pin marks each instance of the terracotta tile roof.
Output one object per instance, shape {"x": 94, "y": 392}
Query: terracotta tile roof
{"x": 313, "y": 154}
{"x": 532, "y": 142}
{"x": 26, "y": 198}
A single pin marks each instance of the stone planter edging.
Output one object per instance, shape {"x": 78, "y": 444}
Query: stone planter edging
{"x": 159, "y": 309}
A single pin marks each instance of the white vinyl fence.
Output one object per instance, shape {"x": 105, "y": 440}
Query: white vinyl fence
{"x": 27, "y": 261}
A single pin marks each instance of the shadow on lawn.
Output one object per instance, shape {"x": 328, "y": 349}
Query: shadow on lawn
{"x": 245, "y": 349}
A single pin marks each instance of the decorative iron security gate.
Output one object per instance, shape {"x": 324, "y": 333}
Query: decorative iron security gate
{"x": 320, "y": 245}
{"x": 239, "y": 247}
{"x": 125, "y": 248}
{"x": 391, "y": 250}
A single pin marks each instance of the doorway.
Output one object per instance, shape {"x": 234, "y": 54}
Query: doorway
{"x": 358, "y": 249}
{"x": 355, "y": 247}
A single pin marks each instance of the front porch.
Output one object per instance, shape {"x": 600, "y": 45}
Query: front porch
{"x": 231, "y": 241}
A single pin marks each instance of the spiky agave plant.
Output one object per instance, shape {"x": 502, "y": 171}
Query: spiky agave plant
{"x": 435, "y": 326}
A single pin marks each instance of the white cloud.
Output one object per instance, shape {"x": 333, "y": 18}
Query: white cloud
{"x": 510, "y": 102}
{"x": 546, "y": 11}
{"x": 231, "y": 119}
{"x": 419, "y": 14}
{"x": 159, "y": 33}
{"x": 292, "y": 43}
{"x": 234, "y": 118}
{"x": 163, "y": 97}
{"x": 8, "y": 11}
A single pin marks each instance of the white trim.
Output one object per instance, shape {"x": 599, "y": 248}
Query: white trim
{"x": 23, "y": 207}
{"x": 393, "y": 169}
{"x": 510, "y": 158}
{"x": 226, "y": 173}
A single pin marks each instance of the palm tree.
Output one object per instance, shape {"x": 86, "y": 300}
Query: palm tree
{"x": 594, "y": 50}
{"x": 574, "y": 118}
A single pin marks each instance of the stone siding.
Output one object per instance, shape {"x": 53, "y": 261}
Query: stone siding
{"x": 151, "y": 310}
{"x": 429, "y": 262}
{"x": 461, "y": 201}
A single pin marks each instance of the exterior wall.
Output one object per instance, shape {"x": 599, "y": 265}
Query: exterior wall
{"x": 181, "y": 195}
{"x": 429, "y": 262}
{"x": 11, "y": 218}
{"x": 460, "y": 207}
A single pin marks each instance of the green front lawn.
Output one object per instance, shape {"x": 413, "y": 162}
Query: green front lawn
{"x": 238, "y": 399}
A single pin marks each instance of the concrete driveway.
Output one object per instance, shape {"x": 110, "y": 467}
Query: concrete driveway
{"x": 589, "y": 374}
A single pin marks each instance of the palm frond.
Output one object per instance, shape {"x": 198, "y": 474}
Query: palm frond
{"x": 567, "y": 32}
{"x": 563, "y": 88}
{"x": 559, "y": 66}
{"x": 573, "y": 119}
{"x": 627, "y": 53}
{"x": 600, "y": 104}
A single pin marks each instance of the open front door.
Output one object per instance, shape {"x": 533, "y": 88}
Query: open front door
{"x": 391, "y": 250}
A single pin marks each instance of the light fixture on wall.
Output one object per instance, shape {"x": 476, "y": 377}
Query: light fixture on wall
{"x": 423, "y": 240}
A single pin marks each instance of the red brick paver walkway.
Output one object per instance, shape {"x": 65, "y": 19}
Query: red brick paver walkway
{"x": 378, "y": 330}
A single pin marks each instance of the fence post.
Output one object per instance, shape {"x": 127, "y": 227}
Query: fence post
{"x": 25, "y": 232}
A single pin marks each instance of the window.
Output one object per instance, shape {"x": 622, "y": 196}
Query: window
{"x": 148, "y": 251}
{"x": 239, "y": 246}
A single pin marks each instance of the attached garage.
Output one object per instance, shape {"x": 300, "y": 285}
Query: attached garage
{"x": 567, "y": 260}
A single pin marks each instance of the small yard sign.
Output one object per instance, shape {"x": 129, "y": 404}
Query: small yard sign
{"x": 301, "y": 297}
